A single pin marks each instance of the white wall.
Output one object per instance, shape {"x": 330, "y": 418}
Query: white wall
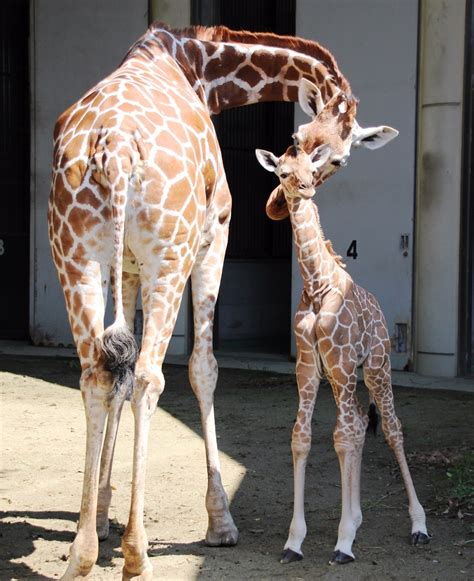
{"x": 372, "y": 199}
{"x": 439, "y": 186}
{"x": 74, "y": 44}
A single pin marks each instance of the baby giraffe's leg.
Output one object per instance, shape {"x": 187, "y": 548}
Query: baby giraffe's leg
{"x": 308, "y": 371}
{"x": 349, "y": 436}
{"x": 355, "y": 479}
{"x": 377, "y": 377}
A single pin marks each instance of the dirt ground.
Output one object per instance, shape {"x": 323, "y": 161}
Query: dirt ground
{"x": 43, "y": 433}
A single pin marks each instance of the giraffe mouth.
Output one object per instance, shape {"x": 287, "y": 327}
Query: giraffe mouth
{"x": 306, "y": 190}
{"x": 307, "y": 193}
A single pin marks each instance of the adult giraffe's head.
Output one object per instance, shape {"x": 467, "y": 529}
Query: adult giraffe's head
{"x": 332, "y": 124}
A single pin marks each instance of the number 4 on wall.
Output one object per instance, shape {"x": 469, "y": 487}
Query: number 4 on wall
{"x": 352, "y": 250}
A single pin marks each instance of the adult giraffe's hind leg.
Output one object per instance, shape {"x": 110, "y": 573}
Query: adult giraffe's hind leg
{"x": 130, "y": 286}
{"x": 85, "y": 304}
{"x": 162, "y": 289}
{"x": 377, "y": 377}
{"x": 308, "y": 374}
{"x": 205, "y": 277}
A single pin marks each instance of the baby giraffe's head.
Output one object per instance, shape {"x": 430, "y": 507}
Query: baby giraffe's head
{"x": 296, "y": 169}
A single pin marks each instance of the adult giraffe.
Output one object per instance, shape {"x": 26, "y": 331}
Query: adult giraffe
{"x": 139, "y": 194}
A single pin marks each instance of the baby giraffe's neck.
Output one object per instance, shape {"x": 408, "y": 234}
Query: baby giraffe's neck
{"x": 317, "y": 265}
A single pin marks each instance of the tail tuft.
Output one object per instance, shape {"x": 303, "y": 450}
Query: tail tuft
{"x": 373, "y": 419}
{"x": 121, "y": 353}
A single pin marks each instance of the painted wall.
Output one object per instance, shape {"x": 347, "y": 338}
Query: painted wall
{"x": 72, "y": 48}
{"x": 439, "y": 186}
{"x": 372, "y": 199}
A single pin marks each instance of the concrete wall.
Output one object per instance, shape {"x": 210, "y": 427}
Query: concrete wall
{"x": 372, "y": 199}
{"x": 73, "y": 45}
{"x": 439, "y": 186}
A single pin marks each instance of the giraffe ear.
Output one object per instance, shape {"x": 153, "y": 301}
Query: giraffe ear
{"x": 320, "y": 156}
{"x": 267, "y": 159}
{"x": 309, "y": 98}
{"x": 372, "y": 137}
{"x": 276, "y": 207}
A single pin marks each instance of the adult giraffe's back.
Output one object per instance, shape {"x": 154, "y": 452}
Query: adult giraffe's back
{"x": 139, "y": 195}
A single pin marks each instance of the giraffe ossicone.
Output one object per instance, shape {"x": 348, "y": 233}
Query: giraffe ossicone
{"x": 339, "y": 326}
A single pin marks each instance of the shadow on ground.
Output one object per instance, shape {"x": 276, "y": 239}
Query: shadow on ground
{"x": 61, "y": 371}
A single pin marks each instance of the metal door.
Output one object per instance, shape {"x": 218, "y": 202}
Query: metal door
{"x": 254, "y": 301}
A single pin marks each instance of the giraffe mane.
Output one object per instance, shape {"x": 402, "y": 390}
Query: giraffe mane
{"x": 329, "y": 247}
{"x": 337, "y": 257}
{"x": 223, "y": 34}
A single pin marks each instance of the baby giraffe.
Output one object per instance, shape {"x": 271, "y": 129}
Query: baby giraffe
{"x": 338, "y": 326}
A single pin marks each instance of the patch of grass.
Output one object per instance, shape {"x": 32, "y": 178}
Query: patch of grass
{"x": 461, "y": 491}
{"x": 461, "y": 477}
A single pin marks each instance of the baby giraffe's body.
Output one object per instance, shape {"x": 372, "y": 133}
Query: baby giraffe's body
{"x": 338, "y": 326}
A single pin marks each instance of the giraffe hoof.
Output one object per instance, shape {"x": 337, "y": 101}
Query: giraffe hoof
{"x": 420, "y": 538}
{"x": 227, "y": 538}
{"x": 340, "y": 558}
{"x": 289, "y": 556}
{"x": 145, "y": 575}
{"x": 103, "y": 531}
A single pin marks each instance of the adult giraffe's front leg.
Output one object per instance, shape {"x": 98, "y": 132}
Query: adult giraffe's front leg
{"x": 308, "y": 375}
{"x": 205, "y": 279}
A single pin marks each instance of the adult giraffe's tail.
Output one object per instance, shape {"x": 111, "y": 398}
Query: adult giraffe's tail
{"x": 120, "y": 352}
{"x": 119, "y": 347}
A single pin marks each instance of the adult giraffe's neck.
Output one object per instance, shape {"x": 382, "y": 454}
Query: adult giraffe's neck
{"x": 230, "y": 69}
{"x": 317, "y": 264}
{"x": 235, "y": 74}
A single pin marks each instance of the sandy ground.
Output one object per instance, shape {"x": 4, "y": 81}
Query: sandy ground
{"x": 42, "y": 458}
